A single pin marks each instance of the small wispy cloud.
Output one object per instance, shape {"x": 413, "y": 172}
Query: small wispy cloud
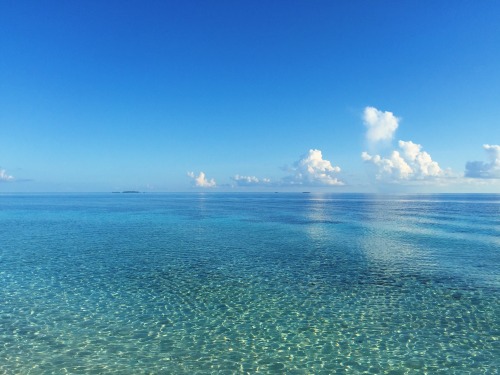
{"x": 4, "y": 177}
{"x": 250, "y": 180}
{"x": 480, "y": 169}
{"x": 312, "y": 169}
{"x": 201, "y": 180}
{"x": 381, "y": 126}
{"x": 410, "y": 163}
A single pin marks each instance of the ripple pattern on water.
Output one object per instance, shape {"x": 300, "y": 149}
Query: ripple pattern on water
{"x": 202, "y": 284}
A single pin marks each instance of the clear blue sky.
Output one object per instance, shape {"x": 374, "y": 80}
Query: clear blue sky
{"x": 116, "y": 95}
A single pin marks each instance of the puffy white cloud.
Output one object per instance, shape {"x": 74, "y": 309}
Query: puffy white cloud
{"x": 394, "y": 166}
{"x": 250, "y": 180}
{"x": 201, "y": 180}
{"x": 479, "y": 169}
{"x": 381, "y": 126}
{"x": 421, "y": 162}
{"x": 312, "y": 169}
{"x": 4, "y": 176}
{"x": 410, "y": 164}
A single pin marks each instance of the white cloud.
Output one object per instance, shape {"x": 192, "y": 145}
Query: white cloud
{"x": 381, "y": 126}
{"x": 312, "y": 169}
{"x": 394, "y": 166}
{"x": 421, "y": 161}
{"x": 201, "y": 180}
{"x": 250, "y": 180}
{"x": 4, "y": 176}
{"x": 410, "y": 164}
{"x": 479, "y": 169}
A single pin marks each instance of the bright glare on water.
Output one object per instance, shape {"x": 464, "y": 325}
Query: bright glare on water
{"x": 249, "y": 283}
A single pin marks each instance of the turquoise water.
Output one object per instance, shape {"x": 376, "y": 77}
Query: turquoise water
{"x": 249, "y": 283}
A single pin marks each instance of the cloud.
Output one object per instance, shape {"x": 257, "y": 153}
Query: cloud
{"x": 381, "y": 126}
{"x": 250, "y": 180}
{"x": 4, "y": 177}
{"x": 479, "y": 169}
{"x": 394, "y": 166}
{"x": 312, "y": 169}
{"x": 411, "y": 163}
{"x": 201, "y": 180}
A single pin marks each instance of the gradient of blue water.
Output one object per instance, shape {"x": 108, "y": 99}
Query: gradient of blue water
{"x": 249, "y": 283}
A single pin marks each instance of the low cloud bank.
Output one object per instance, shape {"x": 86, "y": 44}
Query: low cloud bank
{"x": 250, "y": 180}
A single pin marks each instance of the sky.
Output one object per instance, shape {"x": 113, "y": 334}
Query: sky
{"x": 333, "y": 96}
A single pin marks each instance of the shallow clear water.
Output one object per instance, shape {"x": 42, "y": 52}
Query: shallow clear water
{"x": 249, "y": 283}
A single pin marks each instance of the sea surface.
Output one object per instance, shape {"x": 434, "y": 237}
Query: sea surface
{"x": 249, "y": 283}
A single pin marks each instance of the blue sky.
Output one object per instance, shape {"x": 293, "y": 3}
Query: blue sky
{"x": 255, "y": 95}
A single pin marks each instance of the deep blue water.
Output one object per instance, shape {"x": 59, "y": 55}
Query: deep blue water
{"x": 249, "y": 283}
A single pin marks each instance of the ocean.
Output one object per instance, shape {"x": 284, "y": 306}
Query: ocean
{"x": 221, "y": 283}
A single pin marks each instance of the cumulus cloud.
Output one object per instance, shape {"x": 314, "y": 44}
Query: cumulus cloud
{"x": 479, "y": 169}
{"x": 410, "y": 163}
{"x": 312, "y": 169}
{"x": 201, "y": 180}
{"x": 381, "y": 126}
{"x": 4, "y": 176}
{"x": 250, "y": 180}
{"x": 394, "y": 166}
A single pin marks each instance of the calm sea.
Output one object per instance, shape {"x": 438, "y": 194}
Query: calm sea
{"x": 249, "y": 283}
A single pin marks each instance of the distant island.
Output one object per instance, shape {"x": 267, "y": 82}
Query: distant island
{"x": 126, "y": 192}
